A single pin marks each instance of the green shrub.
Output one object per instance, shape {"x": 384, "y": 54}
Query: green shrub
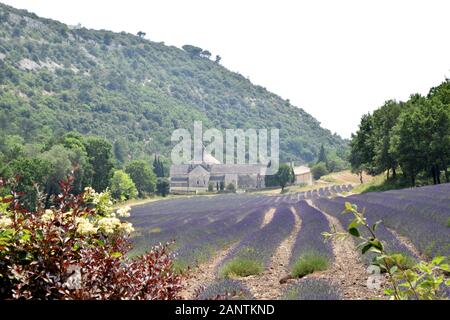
{"x": 231, "y": 187}
{"x": 122, "y": 187}
{"x": 242, "y": 267}
{"x": 309, "y": 263}
{"x": 319, "y": 170}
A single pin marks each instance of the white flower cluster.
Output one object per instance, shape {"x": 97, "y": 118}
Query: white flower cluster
{"x": 102, "y": 198}
{"x": 48, "y": 215}
{"x": 5, "y": 222}
{"x": 85, "y": 227}
{"x": 107, "y": 222}
{"x": 108, "y": 225}
{"x": 126, "y": 227}
{"x": 123, "y": 212}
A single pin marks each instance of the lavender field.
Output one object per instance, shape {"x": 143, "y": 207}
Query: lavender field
{"x": 244, "y": 245}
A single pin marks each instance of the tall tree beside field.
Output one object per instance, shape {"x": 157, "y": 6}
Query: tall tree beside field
{"x": 384, "y": 119}
{"x": 163, "y": 187}
{"x": 284, "y": 175}
{"x": 78, "y": 156}
{"x": 99, "y": 153}
{"x": 142, "y": 175}
{"x": 122, "y": 187}
{"x": 434, "y": 119}
{"x": 422, "y": 138}
{"x": 412, "y": 135}
{"x": 362, "y": 147}
{"x": 441, "y": 93}
{"x": 407, "y": 144}
{"x": 158, "y": 167}
{"x": 31, "y": 171}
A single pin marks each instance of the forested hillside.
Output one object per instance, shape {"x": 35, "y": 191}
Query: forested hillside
{"x": 131, "y": 91}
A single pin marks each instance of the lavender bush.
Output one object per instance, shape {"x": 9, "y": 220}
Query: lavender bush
{"x": 225, "y": 289}
{"x": 335, "y": 207}
{"x": 309, "y": 240}
{"x": 216, "y": 236}
{"x": 312, "y": 289}
{"x": 256, "y": 249}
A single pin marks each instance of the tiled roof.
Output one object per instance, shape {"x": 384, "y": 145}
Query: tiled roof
{"x": 235, "y": 169}
{"x": 301, "y": 170}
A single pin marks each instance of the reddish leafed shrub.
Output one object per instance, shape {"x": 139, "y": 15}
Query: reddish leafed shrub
{"x": 77, "y": 250}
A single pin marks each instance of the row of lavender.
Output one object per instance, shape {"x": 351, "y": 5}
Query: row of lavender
{"x": 335, "y": 208}
{"x": 203, "y": 245}
{"x": 431, "y": 203}
{"x": 185, "y": 220}
{"x": 419, "y": 214}
{"x": 310, "y": 194}
{"x": 310, "y": 239}
{"x": 260, "y": 245}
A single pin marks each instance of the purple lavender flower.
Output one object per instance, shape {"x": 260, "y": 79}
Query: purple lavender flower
{"x": 312, "y": 289}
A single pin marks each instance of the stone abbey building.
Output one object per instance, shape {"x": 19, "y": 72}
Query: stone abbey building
{"x": 196, "y": 176}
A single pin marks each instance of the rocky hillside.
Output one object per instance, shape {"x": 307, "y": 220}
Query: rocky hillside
{"x": 132, "y": 91}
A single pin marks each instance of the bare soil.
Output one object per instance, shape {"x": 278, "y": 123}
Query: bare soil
{"x": 268, "y": 217}
{"x": 407, "y": 243}
{"x": 347, "y": 270}
{"x": 204, "y": 275}
{"x": 267, "y": 285}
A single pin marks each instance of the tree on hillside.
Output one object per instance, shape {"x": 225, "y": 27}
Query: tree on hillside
{"x": 142, "y": 175}
{"x": 322, "y": 155}
{"x": 122, "y": 186}
{"x": 120, "y": 150}
{"x": 107, "y": 39}
{"x": 205, "y": 54}
{"x": 141, "y": 34}
{"x": 218, "y": 58}
{"x": 192, "y": 50}
{"x": 99, "y": 153}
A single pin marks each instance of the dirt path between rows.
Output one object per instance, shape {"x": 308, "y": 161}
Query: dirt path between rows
{"x": 347, "y": 271}
{"x": 268, "y": 217}
{"x": 267, "y": 285}
{"x": 407, "y": 243}
{"x": 206, "y": 273}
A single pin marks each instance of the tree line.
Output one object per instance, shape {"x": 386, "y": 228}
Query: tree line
{"x": 38, "y": 168}
{"x": 411, "y": 137}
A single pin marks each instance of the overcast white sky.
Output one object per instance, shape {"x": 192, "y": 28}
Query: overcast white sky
{"x": 337, "y": 59}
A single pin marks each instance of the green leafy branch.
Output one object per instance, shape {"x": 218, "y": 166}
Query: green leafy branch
{"x": 421, "y": 282}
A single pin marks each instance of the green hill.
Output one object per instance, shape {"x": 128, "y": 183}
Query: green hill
{"x": 134, "y": 92}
